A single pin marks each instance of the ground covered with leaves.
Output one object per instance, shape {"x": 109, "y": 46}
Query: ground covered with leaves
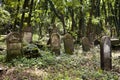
{"x": 80, "y": 66}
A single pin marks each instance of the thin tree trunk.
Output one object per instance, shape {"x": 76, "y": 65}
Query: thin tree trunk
{"x": 89, "y": 25}
{"x": 15, "y": 22}
{"x": 81, "y": 26}
{"x": 23, "y": 14}
{"x": 105, "y": 12}
{"x": 30, "y": 13}
{"x": 72, "y": 17}
{"x": 58, "y": 14}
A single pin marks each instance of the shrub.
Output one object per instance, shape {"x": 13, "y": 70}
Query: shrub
{"x": 31, "y": 51}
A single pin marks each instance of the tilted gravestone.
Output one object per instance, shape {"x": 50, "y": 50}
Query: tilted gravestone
{"x": 105, "y": 53}
{"x": 14, "y": 45}
{"x": 86, "y": 44}
{"x": 55, "y": 43}
{"x": 27, "y": 34}
{"x": 68, "y": 43}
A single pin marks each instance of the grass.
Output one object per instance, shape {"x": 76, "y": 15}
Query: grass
{"x": 63, "y": 67}
{"x": 80, "y": 66}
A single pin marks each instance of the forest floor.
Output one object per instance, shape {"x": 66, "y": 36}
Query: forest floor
{"x": 79, "y": 66}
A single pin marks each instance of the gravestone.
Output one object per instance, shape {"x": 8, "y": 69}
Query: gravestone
{"x": 14, "y": 45}
{"x": 55, "y": 43}
{"x": 105, "y": 53}
{"x": 86, "y": 44}
{"x": 52, "y": 29}
{"x": 68, "y": 43}
{"x": 27, "y": 34}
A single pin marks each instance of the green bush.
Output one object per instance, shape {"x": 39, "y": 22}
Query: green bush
{"x": 46, "y": 59}
{"x": 31, "y": 51}
{"x": 4, "y": 16}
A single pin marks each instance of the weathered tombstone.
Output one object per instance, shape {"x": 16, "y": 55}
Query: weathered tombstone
{"x": 68, "y": 43}
{"x": 27, "y": 34}
{"x": 14, "y": 45}
{"x": 105, "y": 53}
{"x": 52, "y": 29}
{"x": 86, "y": 44}
{"x": 55, "y": 43}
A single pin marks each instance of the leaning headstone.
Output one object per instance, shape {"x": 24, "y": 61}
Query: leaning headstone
{"x": 27, "y": 34}
{"x": 68, "y": 43}
{"x": 86, "y": 44}
{"x": 14, "y": 45}
{"x": 55, "y": 43}
{"x": 105, "y": 53}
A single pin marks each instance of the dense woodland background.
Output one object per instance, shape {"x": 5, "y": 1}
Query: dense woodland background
{"x": 92, "y": 19}
{"x": 79, "y": 17}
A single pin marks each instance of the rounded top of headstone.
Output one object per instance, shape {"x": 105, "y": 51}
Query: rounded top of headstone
{"x": 55, "y": 40}
{"x": 105, "y": 37}
{"x": 55, "y": 34}
{"x": 13, "y": 37}
{"x": 68, "y": 36}
{"x": 106, "y": 40}
{"x": 85, "y": 39}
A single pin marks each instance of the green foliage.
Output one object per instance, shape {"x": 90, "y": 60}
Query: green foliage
{"x": 2, "y": 58}
{"x": 31, "y": 50}
{"x": 67, "y": 67}
{"x": 4, "y": 16}
{"x": 46, "y": 60}
{"x": 96, "y": 20}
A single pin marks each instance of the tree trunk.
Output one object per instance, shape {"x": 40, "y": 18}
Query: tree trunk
{"x": 81, "y": 22}
{"x": 72, "y": 17}
{"x": 23, "y": 14}
{"x": 15, "y": 22}
{"x": 30, "y": 13}
{"x": 58, "y": 14}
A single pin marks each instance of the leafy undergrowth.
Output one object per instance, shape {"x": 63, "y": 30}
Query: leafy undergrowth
{"x": 80, "y": 66}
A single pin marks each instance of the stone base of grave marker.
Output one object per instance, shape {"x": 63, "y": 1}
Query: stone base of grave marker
{"x": 55, "y": 43}
{"x": 27, "y": 34}
{"x": 68, "y": 43}
{"x": 105, "y": 53}
{"x": 14, "y": 45}
{"x": 86, "y": 44}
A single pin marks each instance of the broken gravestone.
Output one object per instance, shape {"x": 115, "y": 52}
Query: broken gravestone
{"x": 105, "y": 53}
{"x": 86, "y": 44}
{"x": 27, "y": 34}
{"x": 14, "y": 45}
{"x": 55, "y": 43}
{"x": 68, "y": 43}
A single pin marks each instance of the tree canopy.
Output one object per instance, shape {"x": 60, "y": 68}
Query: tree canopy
{"x": 80, "y": 17}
